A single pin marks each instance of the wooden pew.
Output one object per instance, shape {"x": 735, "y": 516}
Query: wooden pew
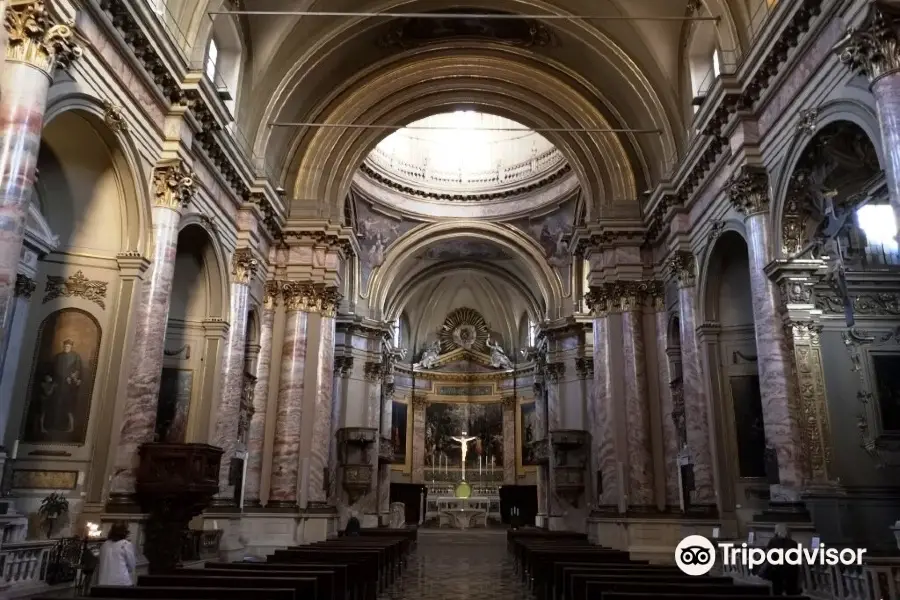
{"x": 324, "y": 578}
{"x": 697, "y": 588}
{"x": 564, "y": 571}
{"x": 688, "y": 596}
{"x": 364, "y": 564}
{"x": 345, "y": 588}
{"x": 189, "y": 593}
{"x": 304, "y": 587}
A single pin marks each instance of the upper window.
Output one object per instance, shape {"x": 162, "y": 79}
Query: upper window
{"x": 212, "y": 60}
{"x": 879, "y": 225}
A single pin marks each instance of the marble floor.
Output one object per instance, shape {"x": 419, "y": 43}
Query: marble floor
{"x": 459, "y": 565}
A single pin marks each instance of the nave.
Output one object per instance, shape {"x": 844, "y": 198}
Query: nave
{"x": 464, "y": 565}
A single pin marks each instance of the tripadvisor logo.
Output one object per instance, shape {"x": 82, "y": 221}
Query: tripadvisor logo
{"x": 696, "y": 555}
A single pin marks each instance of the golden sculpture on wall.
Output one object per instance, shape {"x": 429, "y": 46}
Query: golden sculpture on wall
{"x": 77, "y": 285}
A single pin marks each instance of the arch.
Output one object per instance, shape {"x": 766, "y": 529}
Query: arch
{"x": 417, "y": 240}
{"x": 854, "y": 112}
{"x": 216, "y": 274}
{"x": 131, "y": 179}
{"x": 705, "y": 259}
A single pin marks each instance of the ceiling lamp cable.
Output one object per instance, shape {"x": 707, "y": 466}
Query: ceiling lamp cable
{"x": 496, "y": 16}
{"x": 447, "y": 128}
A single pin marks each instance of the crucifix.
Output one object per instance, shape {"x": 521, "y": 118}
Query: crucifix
{"x": 464, "y": 445}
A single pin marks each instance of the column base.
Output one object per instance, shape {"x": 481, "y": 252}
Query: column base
{"x": 223, "y": 505}
{"x": 252, "y": 504}
{"x": 282, "y": 506}
{"x": 650, "y": 538}
{"x": 123, "y": 503}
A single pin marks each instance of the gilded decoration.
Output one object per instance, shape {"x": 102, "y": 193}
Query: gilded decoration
{"x": 683, "y": 268}
{"x": 35, "y": 39}
{"x": 35, "y": 479}
{"x": 793, "y": 225}
{"x": 815, "y": 428}
{"x": 509, "y": 402}
{"x": 464, "y": 328}
{"x": 272, "y": 291}
{"x": 631, "y": 294}
{"x": 310, "y": 297}
{"x": 173, "y": 185}
{"x": 873, "y": 48}
{"x": 808, "y": 122}
{"x": 243, "y": 265}
{"x": 77, "y": 285}
{"x": 25, "y": 286}
{"x": 748, "y": 190}
{"x": 114, "y": 117}
{"x": 869, "y": 304}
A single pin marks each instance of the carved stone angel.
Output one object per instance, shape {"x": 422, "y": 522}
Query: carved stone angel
{"x": 429, "y": 356}
{"x": 499, "y": 360}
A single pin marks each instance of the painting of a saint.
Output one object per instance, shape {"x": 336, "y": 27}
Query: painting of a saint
{"x": 398, "y": 431}
{"x": 484, "y": 422}
{"x": 62, "y": 378}
{"x": 528, "y": 427}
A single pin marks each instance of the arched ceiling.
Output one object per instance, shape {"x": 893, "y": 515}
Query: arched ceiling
{"x": 588, "y": 74}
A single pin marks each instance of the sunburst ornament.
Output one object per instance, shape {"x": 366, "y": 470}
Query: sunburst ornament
{"x": 464, "y": 328}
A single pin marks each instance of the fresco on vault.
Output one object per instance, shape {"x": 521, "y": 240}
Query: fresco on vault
{"x": 376, "y": 232}
{"x": 553, "y": 233}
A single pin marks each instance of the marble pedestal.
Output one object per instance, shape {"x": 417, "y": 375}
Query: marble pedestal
{"x": 464, "y": 518}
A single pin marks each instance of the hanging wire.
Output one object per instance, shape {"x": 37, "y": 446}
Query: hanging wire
{"x": 494, "y": 16}
{"x": 447, "y": 128}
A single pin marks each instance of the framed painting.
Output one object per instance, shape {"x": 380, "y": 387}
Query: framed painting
{"x": 886, "y": 369}
{"x": 399, "y": 431}
{"x": 527, "y": 429}
{"x": 61, "y": 383}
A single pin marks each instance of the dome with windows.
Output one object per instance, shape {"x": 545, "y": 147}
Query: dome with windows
{"x": 465, "y": 155}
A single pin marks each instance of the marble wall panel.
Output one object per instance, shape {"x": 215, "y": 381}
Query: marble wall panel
{"x": 318, "y": 464}
{"x": 604, "y": 425}
{"x": 670, "y": 434}
{"x": 637, "y": 412}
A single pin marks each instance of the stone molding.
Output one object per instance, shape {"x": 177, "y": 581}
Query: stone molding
{"x": 173, "y": 185}
{"x": 35, "y": 39}
{"x": 624, "y": 296}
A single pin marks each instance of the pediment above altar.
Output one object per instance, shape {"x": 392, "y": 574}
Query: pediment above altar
{"x": 461, "y": 360}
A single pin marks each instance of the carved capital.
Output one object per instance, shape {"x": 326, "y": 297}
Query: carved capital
{"x": 656, "y": 293}
{"x": 327, "y": 299}
{"x": 310, "y": 297}
{"x": 630, "y": 295}
{"x": 173, "y": 185}
{"x": 25, "y": 286}
{"x": 243, "y": 265}
{"x": 600, "y": 299}
{"x": 748, "y": 190}
{"x": 556, "y": 371}
{"x": 295, "y": 295}
{"x": 874, "y": 47}
{"x": 343, "y": 365}
{"x": 509, "y": 402}
{"x": 683, "y": 268}
{"x": 114, "y": 117}
{"x": 35, "y": 39}
{"x": 584, "y": 367}
{"x": 374, "y": 371}
{"x": 272, "y": 291}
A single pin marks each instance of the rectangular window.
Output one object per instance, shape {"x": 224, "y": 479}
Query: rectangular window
{"x": 878, "y": 224}
{"x": 212, "y": 59}
{"x": 717, "y": 63}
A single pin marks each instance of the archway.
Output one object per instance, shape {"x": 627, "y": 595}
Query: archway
{"x": 194, "y": 333}
{"x": 734, "y": 374}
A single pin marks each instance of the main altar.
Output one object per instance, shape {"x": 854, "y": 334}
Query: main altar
{"x": 447, "y": 508}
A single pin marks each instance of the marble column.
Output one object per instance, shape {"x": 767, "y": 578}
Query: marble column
{"x": 326, "y": 301}
{"x": 603, "y": 426}
{"x": 375, "y": 370}
{"x": 286, "y": 450}
{"x": 541, "y": 437}
{"x": 343, "y": 366}
{"x": 874, "y": 49}
{"x": 18, "y": 315}
{"x": 693, "y": 415}
{"x": 173, "y": 188}
{"x": 256, "y": 435}
{"x": 749, "y": 192}
{"x": 631, "y": 295}
{"x": 418, "y": 433}
{"x": 509, "y": 440}
{"x": 665, "y": 375}
{"x": 228, "y": 411}
{"x": 36, "y": 47}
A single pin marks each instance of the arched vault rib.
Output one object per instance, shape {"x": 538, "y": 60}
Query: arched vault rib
{"x": 330, "y": 155}
{"x": 390, "y": 276}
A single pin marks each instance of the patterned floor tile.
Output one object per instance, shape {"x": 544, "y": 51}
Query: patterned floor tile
{"x": 459, "y": 565}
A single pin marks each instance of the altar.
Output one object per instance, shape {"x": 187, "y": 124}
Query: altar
{"x": 462, "y": 513}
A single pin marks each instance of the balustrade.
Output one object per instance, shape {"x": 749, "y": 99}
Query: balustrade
{"x": 24, "y": 565}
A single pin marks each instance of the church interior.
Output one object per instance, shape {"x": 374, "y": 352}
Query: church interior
{"x": 627, "y": 269}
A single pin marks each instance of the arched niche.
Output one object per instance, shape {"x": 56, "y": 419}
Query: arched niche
{"x": 734, "y": 375}
{"x": 194, "y": 335}
{"x": 837, "y": 172}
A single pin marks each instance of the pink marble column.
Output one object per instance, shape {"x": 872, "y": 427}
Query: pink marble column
{"x": 256, "y": 435}
{"x": 286, "y": 450}
{"x": 749, "y": 191}
{"x": 874, "y": 49}
{"x": 665, "y": 376}
{"x": 696, "y": 407}
{"x": 387, "y": 421}
{"x": 637, "y": 409}
{"x": 603, "y": 424}
{"x": 37, "y": 46}
{"x": 317, "y": 494}
{"x": 228, "y": 412}
{"x": 509, "y": 440}
{"x": 173, "y": 188}
{"x": 418, "y": 433}
{"x": 343, "y": 366}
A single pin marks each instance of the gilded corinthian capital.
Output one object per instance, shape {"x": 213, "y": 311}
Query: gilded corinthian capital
{"x": 272, "y": 292}
{"x": 34, "y": 38}
{"x": 748, "y": 190}
{"x": 243, "y": 265}
{"x": 173, "y": 185}
{"x": 874, "y": 47}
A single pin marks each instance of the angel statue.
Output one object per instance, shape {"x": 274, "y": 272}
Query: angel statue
{"x": 499, "y": 360}
{"x": 429, "y": 356}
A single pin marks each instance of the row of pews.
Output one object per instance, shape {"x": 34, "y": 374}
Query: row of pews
{"x": 345, "y": 568}
{"x": 561, "y": 565}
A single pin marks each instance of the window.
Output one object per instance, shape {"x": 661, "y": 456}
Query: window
{"x": 532, "y": 332}
{"x": 397, "y": 332}
{"x": 716, "y": 64}
{"x": 158, "y": 6}
{"x": 879, "y": 225}
{"x": 212, "y": 59}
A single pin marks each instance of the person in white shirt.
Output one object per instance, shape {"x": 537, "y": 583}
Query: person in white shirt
{"x": 116, "y": 565}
